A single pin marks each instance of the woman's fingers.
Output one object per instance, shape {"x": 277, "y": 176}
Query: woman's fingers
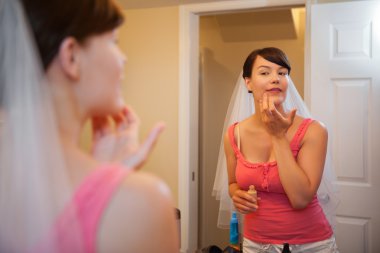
{"x": 268, "y": 108}
{"x": 100, "y": 127}
{"x": 264, "y": 108}
{"x": 271, "y": 108}
{"x": 244, "y": 201}
{"x": 131, "y": 116}
{"x": 141, "y": 155}
{"x": 244, "y": 209}
{"x": 151, "y": 140}
{"x": 277, "y": 116}
{"x": 271, "y": 115}
{"x": 265, "y": 102}
{"x": 120, "y": 140}
{"x": 120, "y": 121}
{"x": 262, "y": 113}
{"x": 261, "y": 106}
{"x": 126, "y": 119}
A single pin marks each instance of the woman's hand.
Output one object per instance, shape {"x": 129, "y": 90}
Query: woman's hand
{"x": 119, "y": 142}
{"x": 276, "y": 123}
{"x": 244, "y": 202}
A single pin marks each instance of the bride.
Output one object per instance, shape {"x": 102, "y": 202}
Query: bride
{"x": 60, "y": 66}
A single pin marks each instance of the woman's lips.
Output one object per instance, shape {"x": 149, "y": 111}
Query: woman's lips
{"x": 274, "y": 90}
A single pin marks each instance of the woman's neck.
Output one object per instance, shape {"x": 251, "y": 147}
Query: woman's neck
{"x": 70, "y": 123}
{"x": 70, "y": 118}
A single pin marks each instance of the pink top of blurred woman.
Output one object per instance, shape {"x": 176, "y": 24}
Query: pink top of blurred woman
{"x": 85, "y": 210}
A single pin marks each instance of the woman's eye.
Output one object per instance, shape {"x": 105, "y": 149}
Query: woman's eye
{"x": 283, "y": 73}
{"x": 264, "y": 73}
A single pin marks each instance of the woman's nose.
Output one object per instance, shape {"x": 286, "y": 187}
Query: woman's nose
{"x": 275, "y": 78}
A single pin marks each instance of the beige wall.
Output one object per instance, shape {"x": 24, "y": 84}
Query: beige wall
{"x": 150, "y": 40}
{"x": 222, "y": 61}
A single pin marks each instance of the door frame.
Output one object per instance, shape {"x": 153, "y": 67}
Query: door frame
{"x": 188, "y": 102}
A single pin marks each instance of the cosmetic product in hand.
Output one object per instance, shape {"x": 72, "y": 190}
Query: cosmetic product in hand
{"x": 234, "y": 232}
{"x": 252, "y": 191}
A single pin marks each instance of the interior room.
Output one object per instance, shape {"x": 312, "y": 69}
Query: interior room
{"x": 142, "y": 126}
{"x": 184, "y": 58}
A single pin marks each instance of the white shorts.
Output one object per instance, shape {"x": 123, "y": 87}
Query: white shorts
{"x": 325, "y": 246}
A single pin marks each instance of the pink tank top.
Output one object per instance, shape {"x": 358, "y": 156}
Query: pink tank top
{"x": 77, "y": 227}
{"x": 276, "y": 221}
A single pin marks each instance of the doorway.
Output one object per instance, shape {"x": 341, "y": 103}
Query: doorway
{"x": 224, "y": 43}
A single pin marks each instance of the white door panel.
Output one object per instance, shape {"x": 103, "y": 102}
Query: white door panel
{"x": 345, "y": 95}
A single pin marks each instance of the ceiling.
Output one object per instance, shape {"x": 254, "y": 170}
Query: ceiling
{"x": 136, "y": 4}
{"x": 257, "y": 25}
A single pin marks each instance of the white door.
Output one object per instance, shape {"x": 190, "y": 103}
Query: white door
{"x": 345, "y": 95}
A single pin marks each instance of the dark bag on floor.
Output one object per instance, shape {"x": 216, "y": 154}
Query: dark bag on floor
{"x": 229, "y": 249}
{"x": 212, "y": 249}
{"x": 216, "y": 249}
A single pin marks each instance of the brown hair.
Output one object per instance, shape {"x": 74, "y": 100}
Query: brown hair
{"x": 54, "y": 20}
{"x": 271, "y": 54}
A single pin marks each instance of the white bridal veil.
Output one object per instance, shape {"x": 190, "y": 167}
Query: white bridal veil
{"x": 34, "y": 185}
{"x": 241, "y": 106}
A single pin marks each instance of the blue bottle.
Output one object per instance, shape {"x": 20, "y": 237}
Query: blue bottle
{"x": 234, "y": 231}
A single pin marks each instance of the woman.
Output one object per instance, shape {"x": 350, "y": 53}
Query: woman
{"x": 54, "y": 197}
{"x": 282, "y": 155}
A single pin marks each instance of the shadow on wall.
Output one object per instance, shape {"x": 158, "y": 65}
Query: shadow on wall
{"x": 216, "y": 86}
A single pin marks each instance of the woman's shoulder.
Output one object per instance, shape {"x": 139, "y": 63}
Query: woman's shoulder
{"x": 230, "y": 130}
{"x": 316, "y": 130}
{"x": 317, "y": 126}
{"x": 142, "y": 208}
{"x": 145, "y": 187}
{"x": 314, "y": 124}
{"x": 246, "y": 121}
{"x": 145, "y": 184}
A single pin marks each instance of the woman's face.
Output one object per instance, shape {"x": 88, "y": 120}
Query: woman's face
{"x": 102, "y": 68}
{"x": 270, "y": 78}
